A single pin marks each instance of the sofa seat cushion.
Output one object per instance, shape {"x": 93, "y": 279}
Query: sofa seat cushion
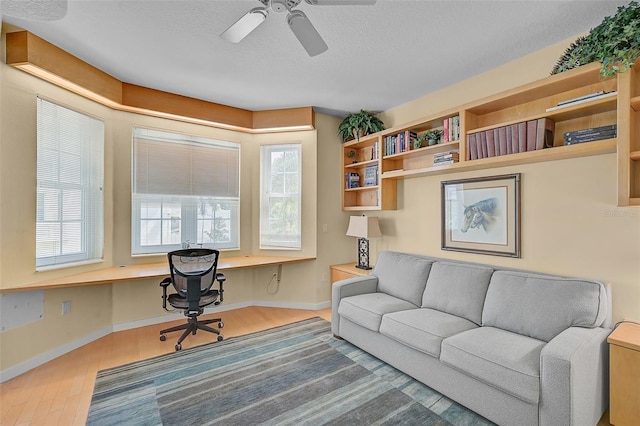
{"x": 367, "y": 309}
{"x": 499, "y": 358}
{"x": 423, "y": 329}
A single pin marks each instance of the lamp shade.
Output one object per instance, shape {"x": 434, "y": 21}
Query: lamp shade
{"x": 363, "y": 227}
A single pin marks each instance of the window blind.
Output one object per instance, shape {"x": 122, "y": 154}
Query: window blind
{"x": 70, "y": 175}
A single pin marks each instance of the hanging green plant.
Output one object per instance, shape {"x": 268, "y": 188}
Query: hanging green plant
{"x": 359, "y": 124}
{"x": 615, "y": 43}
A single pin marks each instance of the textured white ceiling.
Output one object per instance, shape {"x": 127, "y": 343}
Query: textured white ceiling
{"x": 379, "y": 56}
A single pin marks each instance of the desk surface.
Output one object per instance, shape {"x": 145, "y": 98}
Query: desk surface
{"x": 146, "y": 271}
{"x": 626, "y": 334}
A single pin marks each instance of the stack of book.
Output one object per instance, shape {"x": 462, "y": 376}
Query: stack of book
{"x": 588, "y": 135}
{"x": 448, "y": 157}
{"x": 519, "y": 137}
{"x": 451, "y": 129}
{"x": 352, "y": 180}
{"x": 403, "y": 141}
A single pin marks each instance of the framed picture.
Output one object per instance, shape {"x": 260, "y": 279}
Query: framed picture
{"x": 482, "y": 215}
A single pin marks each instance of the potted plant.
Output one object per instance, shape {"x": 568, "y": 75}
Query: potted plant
{"x": 615, "y": 43}
{"x": 359, "y": 124}
{"x": 433, "y": 136}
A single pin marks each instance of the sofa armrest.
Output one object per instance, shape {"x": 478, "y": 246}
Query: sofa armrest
{"x": 346, "y": 288}
{"x": 574, "y": 377}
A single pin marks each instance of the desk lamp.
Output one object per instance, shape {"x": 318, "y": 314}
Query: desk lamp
{"x": 363, "y": 227}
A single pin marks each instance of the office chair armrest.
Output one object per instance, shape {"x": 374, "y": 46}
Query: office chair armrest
{"x": 221, "y": 279}
{"x": 164, "y": 284}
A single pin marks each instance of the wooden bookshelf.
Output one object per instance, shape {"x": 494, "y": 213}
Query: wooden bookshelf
{"x": 533, "y": 101}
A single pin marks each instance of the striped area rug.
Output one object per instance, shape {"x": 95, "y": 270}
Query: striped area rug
{"x": 295, "y": 374}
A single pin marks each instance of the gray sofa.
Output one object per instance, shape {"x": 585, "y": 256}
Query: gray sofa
{"x": 516, "y": 347}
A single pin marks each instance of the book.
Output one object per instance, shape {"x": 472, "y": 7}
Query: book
{"x": 482, "y": 146}
{"x": 522, "y": 136}
{"x": 515, "y": 141}
{"x": 502, "y": 140}
{"x": 532, "y": 127}
{"x": 492, "y": 142}
{"x": 490, "y": 146}
{"x": 544, "y": 133}
{"x": 371, "y": 175}
{"x": 473, "y": 148}
{"x": 445, "y": 130}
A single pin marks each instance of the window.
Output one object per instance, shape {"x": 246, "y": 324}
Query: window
{"x": 69, "y": 205}
{"x": 280, "y": 200}
{"x": 186, "y": 190}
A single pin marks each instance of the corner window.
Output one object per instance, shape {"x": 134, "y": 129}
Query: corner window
{"x": 69, "y": 204}
{"x": 186, "y": 192}
{"x": 280, "y": 196}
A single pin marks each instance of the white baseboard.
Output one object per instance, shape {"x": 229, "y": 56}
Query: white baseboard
{"x": 38, "y": 360}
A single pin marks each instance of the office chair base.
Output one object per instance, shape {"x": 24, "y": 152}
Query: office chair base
{"x": 191, "y": 327}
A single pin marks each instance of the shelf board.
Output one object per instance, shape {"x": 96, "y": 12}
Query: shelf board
{"x": 635, "y": 103}
{"x": 362, "y": 188}
{"x": 635, "y": 155}
{"x": 586, "y": 149}
{"x": 360, "y": 208}
{"x": 634, "y": 201}
{"x": 360, "y": 164}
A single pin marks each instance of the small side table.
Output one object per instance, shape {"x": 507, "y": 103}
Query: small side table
{"x": 346, "y": 270}
{"x": 624, "y": 372}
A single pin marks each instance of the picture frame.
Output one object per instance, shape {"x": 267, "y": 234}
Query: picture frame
{"x": 482, "y": 215}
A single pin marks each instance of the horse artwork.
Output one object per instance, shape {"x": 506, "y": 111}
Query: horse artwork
{"x": 481, "y": 215}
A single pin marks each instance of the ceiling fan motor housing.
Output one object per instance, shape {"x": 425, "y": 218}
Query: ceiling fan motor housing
{"x": 282, "y": 6}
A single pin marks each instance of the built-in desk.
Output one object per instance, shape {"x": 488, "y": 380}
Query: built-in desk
{"x": 146, "y": 271}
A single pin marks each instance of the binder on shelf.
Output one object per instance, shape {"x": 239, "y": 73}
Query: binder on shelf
{"x": 544, "y": 133}
{"x": 532, "y": 129}
{"x": 522, "y": 137}
{"x": 473, "y": 148}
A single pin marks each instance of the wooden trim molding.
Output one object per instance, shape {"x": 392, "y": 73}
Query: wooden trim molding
{"x": 42, "y": 59}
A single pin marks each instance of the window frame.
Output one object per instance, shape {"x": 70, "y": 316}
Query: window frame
{"x": 266, "y": 182}
{"x": 90, "y": 185}
{"x": 189, "y": 204}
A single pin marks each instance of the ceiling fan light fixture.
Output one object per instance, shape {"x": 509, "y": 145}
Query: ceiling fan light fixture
{"x": 243, "y": 26}
{"x": 306, "y": 33}
{"x": 341, "y": 2}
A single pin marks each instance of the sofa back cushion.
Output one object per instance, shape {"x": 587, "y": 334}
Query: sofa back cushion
{"x": 458, "y": 289}
{"x": 402, "y": 275}
{"x": 542, "y": 306}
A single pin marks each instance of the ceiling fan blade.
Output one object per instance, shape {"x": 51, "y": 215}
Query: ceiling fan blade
{"x": 341, "y": 2}
{"x": 243, "y": 26}
{"x": 306, "y": 33}
{"x": 34, "y": 10}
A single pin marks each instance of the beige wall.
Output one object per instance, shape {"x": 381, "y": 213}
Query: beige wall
{"x": 95, "y": 308}
{"x": 570, "y": 223}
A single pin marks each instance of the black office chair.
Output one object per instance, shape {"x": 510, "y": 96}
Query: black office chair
{"x": 193, "y": 272}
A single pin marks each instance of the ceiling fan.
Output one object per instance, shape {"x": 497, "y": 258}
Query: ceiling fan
{"x": 34, "y": 10}
{"x": 300, "y": 25}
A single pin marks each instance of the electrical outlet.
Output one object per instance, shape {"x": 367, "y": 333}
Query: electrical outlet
{"x": 325, "y": 228}
{"x": 66, "y": 307}
{"x": 324, "y": 277}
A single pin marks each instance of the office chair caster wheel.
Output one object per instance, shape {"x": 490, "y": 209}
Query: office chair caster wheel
{"x": 163, "y": 337}
{"x": 178, "y": 347}
{"x": 220, "y": 324}
{"x": 220, "y": 338}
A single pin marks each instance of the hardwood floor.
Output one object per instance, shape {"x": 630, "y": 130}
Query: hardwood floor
{"x": 59, "y": 392}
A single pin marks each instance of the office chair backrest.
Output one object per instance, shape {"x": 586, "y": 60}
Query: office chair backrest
{"x": 195, "y": 265}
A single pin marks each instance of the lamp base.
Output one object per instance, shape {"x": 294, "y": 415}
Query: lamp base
{"x": 363, "y": 254}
